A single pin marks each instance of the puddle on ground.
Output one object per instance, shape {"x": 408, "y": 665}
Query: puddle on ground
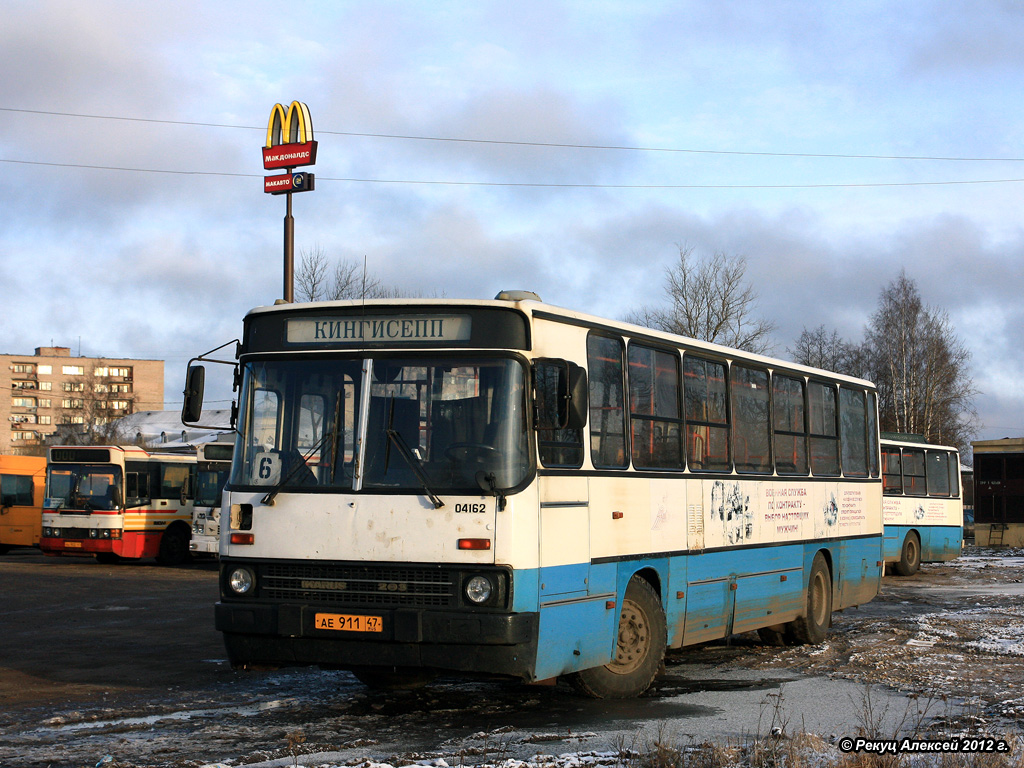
{"x": 148, "y": 720}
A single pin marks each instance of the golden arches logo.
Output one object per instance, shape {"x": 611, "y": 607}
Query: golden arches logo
{"x": 291, "y": 126}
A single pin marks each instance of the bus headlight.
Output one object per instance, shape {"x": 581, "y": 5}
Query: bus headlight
{"x": 93, "y": 533}
{"x": 241, "y": 581}
{"x": 479, "y": 589}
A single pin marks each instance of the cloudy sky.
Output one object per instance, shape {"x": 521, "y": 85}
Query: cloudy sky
{"x": 569, "y": 148}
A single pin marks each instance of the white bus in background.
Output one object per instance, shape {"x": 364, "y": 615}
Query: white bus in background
{"x": 922, "y": 502}
{"x": 213, "y": 463}
{"x": 508, "y": 487}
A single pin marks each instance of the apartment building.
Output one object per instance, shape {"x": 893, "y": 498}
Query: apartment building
{"x": 51, "y": 389}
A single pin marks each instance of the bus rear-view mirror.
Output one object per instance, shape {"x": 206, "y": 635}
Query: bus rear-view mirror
{"x": 192, "y": 408}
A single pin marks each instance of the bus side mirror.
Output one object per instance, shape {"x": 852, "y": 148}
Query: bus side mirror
{"x": 192, "y": 408}
{"x": 576, "y": 418}
{"x": 560, "y": 389}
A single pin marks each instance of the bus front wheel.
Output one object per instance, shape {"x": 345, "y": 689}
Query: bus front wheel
{"x": 910, "y": 556}
{"x": 811, "y": 628}
{"x": 639, "y": 652}
{"x": 174, "y": 546}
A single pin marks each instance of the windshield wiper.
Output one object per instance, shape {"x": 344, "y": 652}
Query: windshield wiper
{"x": 336, "y": 431}
{"x": 268, "y": 499}
{"x": 414, "y": 463}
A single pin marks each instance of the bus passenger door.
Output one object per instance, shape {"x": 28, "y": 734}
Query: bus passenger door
{"x": 577, "y": 629}
{"x": 564, "y": 536}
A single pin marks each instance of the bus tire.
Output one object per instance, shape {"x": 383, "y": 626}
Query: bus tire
{"x": 910, "y": 556}
{"x": 811, "y": 628}
{"x": 174, "y": 546}
{"x": 394, "y": 678}
{"x": 639, "y": 652}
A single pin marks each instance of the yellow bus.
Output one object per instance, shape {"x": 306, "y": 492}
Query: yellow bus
{"x": 21, "y": 501}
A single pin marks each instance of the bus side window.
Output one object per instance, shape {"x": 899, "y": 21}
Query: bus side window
{"x": 17, "y": 490}
{"x": 914, "y": 473}
{"x": 789, "y": 425}
{"x": 824, "y": 432}
{"x": 654, "y": 408}
{"x": 172, "y": 480}
{"x": 751, "y": 423}
{"x": 937, "y": 473}
{"x": 607, "y": 402}
{"x": 892, "y": 473}
{"x": 853, "y": 424}
{"x": 137, "y": 490}
{"x": 707, "y": 416}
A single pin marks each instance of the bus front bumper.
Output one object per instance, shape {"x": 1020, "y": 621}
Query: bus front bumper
{"x": 479, "y": 643}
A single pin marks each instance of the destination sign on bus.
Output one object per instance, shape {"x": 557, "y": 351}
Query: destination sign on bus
{"x": 80, "y": 455}
{"x": 357, "y": 330}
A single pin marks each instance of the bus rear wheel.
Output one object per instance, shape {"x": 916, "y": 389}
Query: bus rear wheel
{"x": 639, "y": 652}
{"x": 910, "y": 556}
{"x": 811, "y": 628}
{"x": 394, "y": 678}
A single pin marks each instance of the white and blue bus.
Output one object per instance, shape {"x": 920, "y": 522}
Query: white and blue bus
{"x": 922, "y": 503}
{"x": 508, "y": 487}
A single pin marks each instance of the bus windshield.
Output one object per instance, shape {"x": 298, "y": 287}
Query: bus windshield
{"x": 434, "y": 421}
{"x": 83, "y": 486}
{"x": 209, "y": 484}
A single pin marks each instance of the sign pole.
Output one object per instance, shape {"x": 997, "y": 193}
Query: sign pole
{"x": 289, "y": 252}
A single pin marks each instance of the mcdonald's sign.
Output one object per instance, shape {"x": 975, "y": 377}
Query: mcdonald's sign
{"x": 289, "y": 137}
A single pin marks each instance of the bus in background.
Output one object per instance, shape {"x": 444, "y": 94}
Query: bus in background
{"x": 118, "y": 502}
{"x": 922, "y": 503}
{"x": 21, "y": 501}
{"x": 508, "y": 487}
{"x": 999, "y": 492}
{"x": 213, "y": 463}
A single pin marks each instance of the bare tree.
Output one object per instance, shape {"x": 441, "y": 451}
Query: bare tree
{"x": 312, "y": 275}
{"x": 315, "y": 280}
{"x": 89, "y": 409}
{"x": 709, "y": 300}
{"x": 821, "y": 348}
{"x": 921, "y": 368}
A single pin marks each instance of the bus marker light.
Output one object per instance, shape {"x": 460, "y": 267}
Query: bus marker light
{"x": 243, "y": 538}
{"x": 474, "y": 543}
{"x": 680, "y": 595}
{"x": 609, "y": 604}
{"x": 783, "y": 577}
{"x": 616, "y": 515}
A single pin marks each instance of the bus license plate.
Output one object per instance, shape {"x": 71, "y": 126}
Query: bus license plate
{"x": 348, "y": 623}
{"x": 70, "y": 544}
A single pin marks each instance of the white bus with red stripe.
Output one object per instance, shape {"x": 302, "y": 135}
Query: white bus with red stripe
{"x": 118, "y": 502}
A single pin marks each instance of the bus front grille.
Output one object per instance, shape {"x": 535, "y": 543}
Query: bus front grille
{"x": 357, "y": 585}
